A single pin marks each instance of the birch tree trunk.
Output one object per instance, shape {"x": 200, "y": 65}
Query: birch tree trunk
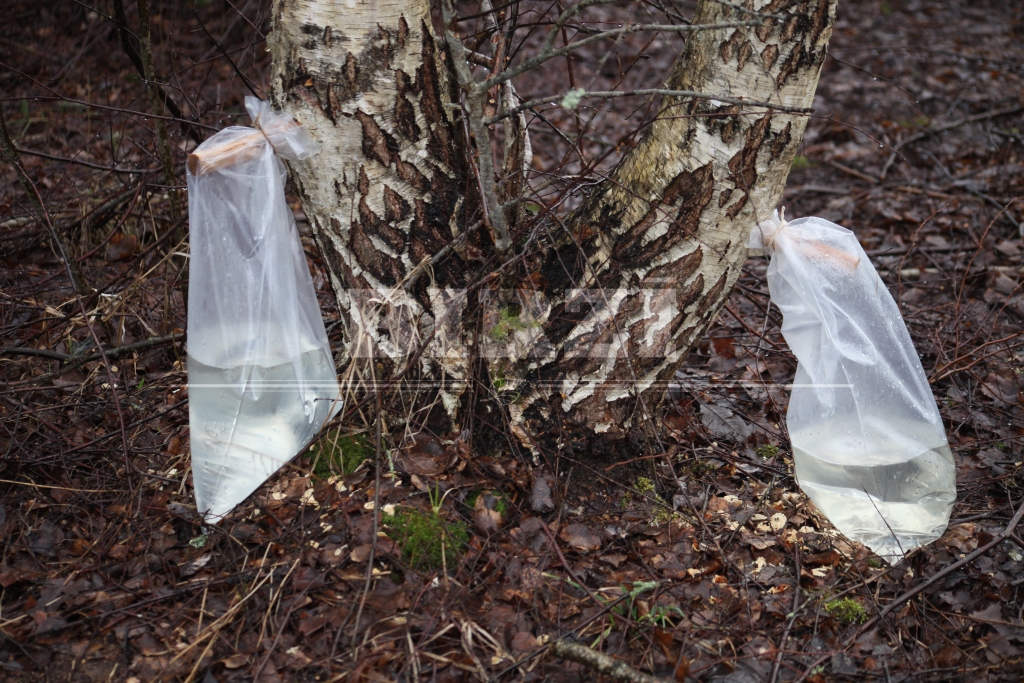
{"x": 609, "y": 305}
{"x": 386, "y": 192}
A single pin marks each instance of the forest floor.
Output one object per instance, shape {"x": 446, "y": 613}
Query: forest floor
{"x": 463, "y": 565}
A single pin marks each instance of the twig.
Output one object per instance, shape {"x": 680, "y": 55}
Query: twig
{"x": 157, "y": 105}
{"x": 852, "y": 171}
{"x": 601, "y": 663}
{"x": 792, "y": 617}
{"x": 693, "y": 94}
{"x": 121, "y": 24}
{"x": 80, "y": 162}
{"x": 938, "y": 129}
{"x": 475, "y": 94}
{"x": 550, "y": 53}
{"x": 112, "y": 353}
{"x": 245, "y": 79}
{"x": 1004, "y": 535}
{"x": 378, "y": 452}
{"x": 8, "y": 150}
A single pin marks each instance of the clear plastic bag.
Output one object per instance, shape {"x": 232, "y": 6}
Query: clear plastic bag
{"x": 868, "y": 443}
{"x": 262, "y": 381}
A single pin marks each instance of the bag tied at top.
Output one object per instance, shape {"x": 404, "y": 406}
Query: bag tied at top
{"x": 262, "y": 381}
{"x": 868, "y": 443}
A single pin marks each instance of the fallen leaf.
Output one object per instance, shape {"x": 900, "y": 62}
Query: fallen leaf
{"x": 234, "y": 661}
{"x": 540, "y": 496}
{"x": 614, "y": 559}
{"x": 523, "y": 641}
{"x": 486, "y": 518}
{"x": 121, "y": 247}
{"x": 580, "y": 537}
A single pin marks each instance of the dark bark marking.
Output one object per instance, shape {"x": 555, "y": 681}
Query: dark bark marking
{"x": 723, "y": 198}
{"x": 690, "y": 293}
{"x": 728, "y": 126}
{"x": 790, "y": 66}
{"x": 729, "y": 47}
{"x": 386, "y": 269}
{"x": 395, "y": 208}
{"x": 581, "y": 358}
{"x": 377, "y": 144}
{"x": 440, "y": 143}
{"x": 351, "y": 74}
{"x": 781, "y": 140}
{"x": 411, "y": 175}
{"x": 403, "y": 31}
{"x": 405, "y": 113}
{"x": 735, "y": 209}
{"x": 789, "y": 30}
{"x": 743, "y": 165}
{"x": 334, "y": 87}
{"x": 371, "y": 223}
{"x": 710, "y": 299}
{"x": 630, "y": 305}
{"x": 675, "y": 272}
{"x": 818, "y": 22}
{"x": 803, "y": 55}
{"x": 694, "y": 190}
{"x": 769, "y": 55}
{"x": 764, "y": 31}
{"x": 745, "y": 52}
{"x": 424, "y": 240}
{"x": 336, "y": 261}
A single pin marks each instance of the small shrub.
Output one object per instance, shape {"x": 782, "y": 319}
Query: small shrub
{"x": 336, "y": 454}
{"x": 847, "y": 611}
{"x": 767, "y": 450}
{"x": 800, "y": 163}
{"x": 427, "y": 541}
{"x": 660, "y": 512}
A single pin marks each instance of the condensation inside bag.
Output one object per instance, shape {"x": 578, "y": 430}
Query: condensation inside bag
{"x": 868, "y": 443}
{"x": 262, "y": 381}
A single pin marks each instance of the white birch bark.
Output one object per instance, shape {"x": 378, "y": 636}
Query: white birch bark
{"x": 385, "y": 193}
{"x": 664, "y": 238}
{"x": 632, "y": 282}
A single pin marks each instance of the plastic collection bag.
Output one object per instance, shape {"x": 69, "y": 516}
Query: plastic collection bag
{"x": 262, "y": 381}
{"x": 868, "y": 443}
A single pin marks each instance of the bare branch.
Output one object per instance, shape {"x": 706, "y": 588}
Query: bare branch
{"x": 579, "y": 94}
{"x": 550, "y": 52}
{"x": 474, "y": 112}
{"x": 601, "y": 663}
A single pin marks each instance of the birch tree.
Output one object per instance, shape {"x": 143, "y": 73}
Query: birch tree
{"x": 576, "y": 319}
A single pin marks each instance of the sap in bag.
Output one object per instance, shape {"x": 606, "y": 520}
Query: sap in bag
{"x": 261, "y": 378}
{"x": 868, "y": 443}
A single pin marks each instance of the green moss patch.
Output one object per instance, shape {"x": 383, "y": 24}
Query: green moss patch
{"x": 427, "y": 541}
{"x": 336, "y": 454}
{"x": 847, "y": 611}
